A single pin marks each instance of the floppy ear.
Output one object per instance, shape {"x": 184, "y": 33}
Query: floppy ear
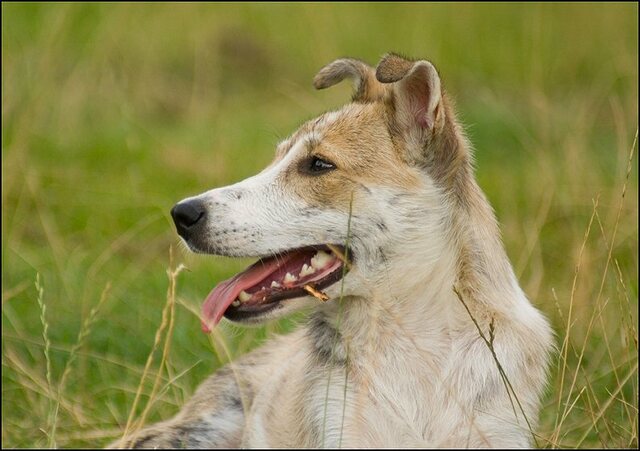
{"x": 417, "y": 95}
{"x": 367, "y": 87}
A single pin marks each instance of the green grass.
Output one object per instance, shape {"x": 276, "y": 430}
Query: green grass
{"x": 111, "y": 113}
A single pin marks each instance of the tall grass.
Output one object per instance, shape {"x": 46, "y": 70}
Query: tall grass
{"x": 112, "y": 113}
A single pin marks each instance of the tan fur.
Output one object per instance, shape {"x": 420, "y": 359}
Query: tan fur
{"x": 359, "y": 143}
{"x": 393, "y": 68}
{"x": 395, "y": 357}
{"x": 367, "y": 88}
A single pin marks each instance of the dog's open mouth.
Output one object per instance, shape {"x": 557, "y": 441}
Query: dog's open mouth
{"x": 260, "y": 287}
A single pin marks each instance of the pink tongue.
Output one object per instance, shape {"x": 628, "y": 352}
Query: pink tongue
{"x": 226, "y": 292}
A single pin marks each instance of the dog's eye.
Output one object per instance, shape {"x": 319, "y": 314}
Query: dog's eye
{"x": 318, "y": 165}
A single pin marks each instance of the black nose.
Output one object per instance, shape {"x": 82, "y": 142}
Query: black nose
{"x": 186, "y": 215}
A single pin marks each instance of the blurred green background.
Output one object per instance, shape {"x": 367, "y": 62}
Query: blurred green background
{"x": 113, "y": 112}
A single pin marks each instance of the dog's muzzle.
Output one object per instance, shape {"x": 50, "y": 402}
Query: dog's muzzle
{"x": 188, "y": 216}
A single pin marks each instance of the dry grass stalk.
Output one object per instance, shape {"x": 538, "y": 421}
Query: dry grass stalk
{"x": 167, "y": 320}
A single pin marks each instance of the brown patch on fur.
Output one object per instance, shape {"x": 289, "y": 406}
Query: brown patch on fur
{"x": 447, "y": 156}
{"x": 358, "y": 142}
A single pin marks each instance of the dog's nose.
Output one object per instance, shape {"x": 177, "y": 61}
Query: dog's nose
{"x": 186, "y": 215}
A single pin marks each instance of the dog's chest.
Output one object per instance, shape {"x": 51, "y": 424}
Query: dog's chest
{"x": 381, "y": 408}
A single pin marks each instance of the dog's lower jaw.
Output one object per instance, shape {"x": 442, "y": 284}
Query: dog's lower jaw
{"x": 279, "y": 310}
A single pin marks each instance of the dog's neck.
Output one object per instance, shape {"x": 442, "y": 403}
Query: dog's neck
{"x": 413, "y": 305}
{"x": 395, "y": 310}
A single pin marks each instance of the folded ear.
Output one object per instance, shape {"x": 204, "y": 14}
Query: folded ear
{"x": 417, "y": 94}
{"x": 367, "y": 87}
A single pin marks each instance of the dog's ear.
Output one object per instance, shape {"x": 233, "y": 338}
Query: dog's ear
{"x": 367, "y": 87}
{"x": 416, "y": 93}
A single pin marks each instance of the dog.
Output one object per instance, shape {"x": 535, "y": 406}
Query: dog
{"x": 418, "y": 335}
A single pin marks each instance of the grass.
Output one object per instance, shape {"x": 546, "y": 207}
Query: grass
{"x": 112, "y": 113}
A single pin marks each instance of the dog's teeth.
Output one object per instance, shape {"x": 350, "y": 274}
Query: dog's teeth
{"x": 244, "y": 296}
{"x": 321, "y": 259}
{"x": 307, "y": 270}
{"x": 236, "y": 303}
{"x": 290, "y": 278}
{"x": 275, "y": 284}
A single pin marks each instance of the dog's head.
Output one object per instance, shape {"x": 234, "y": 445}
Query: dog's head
{"x": 349, "y": 195}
